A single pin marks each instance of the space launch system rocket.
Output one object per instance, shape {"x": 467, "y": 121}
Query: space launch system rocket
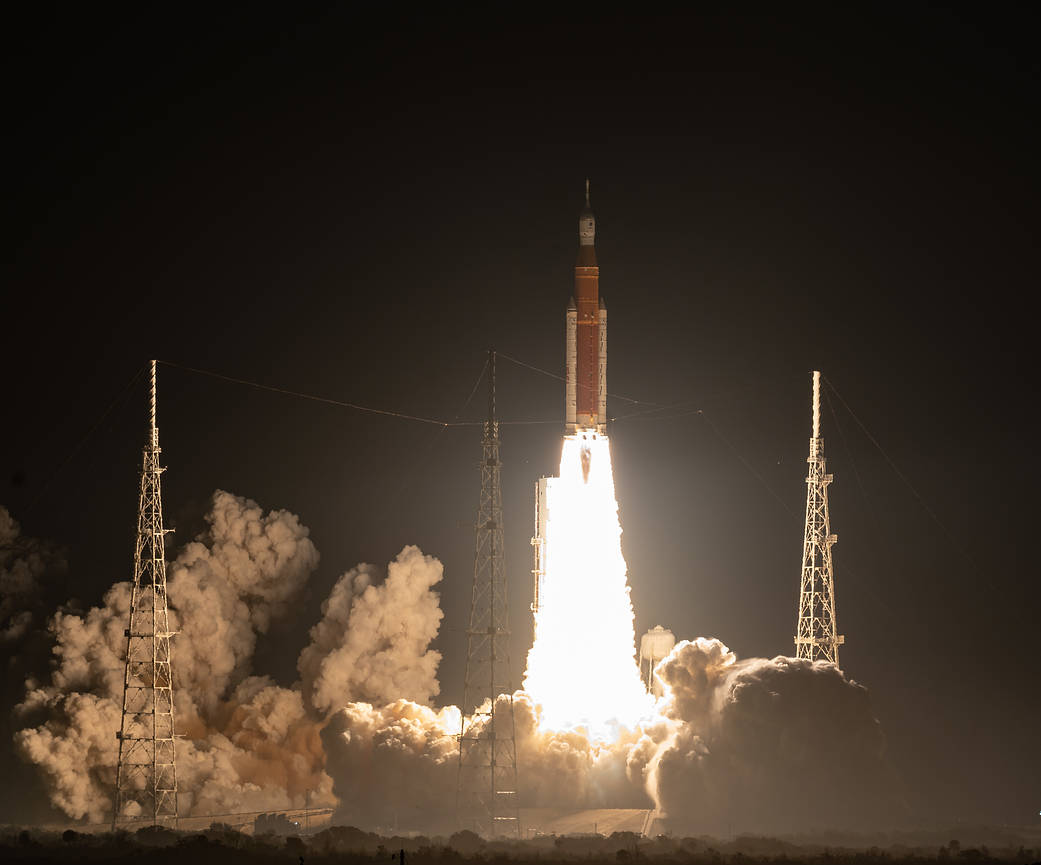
{"x": 585, "y": 391}
{"x": 585, "y": 400}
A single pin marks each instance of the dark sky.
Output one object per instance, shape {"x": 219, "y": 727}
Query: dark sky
{"x": 359, "y": 208}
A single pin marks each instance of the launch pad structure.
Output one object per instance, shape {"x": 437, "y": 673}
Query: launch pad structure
{"x": 817, "y": 637}
{"x": 486, "y": 794}
{"x": 146, "y": 771}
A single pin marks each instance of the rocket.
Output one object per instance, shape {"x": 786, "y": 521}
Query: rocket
{"x": 585, "y": 399}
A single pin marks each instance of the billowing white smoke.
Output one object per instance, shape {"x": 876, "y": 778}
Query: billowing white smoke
{"x": 732, "y": 746}
{"x": 372, "y": 644}
{"x": 400, "y": 762}
{"x": 264, "y": 753}
{"x": 732, "y": 749}
{"x": 228, "y": 586}
{"x": 394, "y": 764}
{"x": 248, "y": 743}
{"x": 225, "y": 588}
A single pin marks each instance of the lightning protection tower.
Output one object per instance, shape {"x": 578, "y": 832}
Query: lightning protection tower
{"x": 146, "y": 774}
{"x": 486, "y": 798}
{"x": 817, "y": 637}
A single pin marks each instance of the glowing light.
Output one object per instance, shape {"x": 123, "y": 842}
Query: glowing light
{"x": 582, "y": 668}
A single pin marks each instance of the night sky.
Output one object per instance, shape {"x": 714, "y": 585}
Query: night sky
{"x": 360, "y": 208}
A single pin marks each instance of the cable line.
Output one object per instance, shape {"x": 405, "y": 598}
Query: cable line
{"x": 748, "y": 465}
{"x": 311, "y": 396}
{"x": 561, "y": 378}
{"x": 405, "y": 415}
{"x": 75, "y": 449}
{"x": 903, "y": 477}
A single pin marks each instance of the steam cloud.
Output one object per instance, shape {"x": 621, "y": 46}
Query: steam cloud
{"x": 748, "y": 738}
{"x": 372, "y": 643}
{"x": 721, "y": 751}
{"x": 733, "y": 741}
{"x": 248, "y": 742}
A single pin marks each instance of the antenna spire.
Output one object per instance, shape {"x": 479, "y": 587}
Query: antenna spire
{"x": 817, "y": 637}
{"x": 154, "y": 437}
{"x": 587, "y": 192}
{"x": 146, "y": 772}
{"x": 816, "y": 404}
{"x": 491, "y": 386}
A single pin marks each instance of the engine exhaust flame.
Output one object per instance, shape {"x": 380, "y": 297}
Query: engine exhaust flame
{"x": 582, "y": 668}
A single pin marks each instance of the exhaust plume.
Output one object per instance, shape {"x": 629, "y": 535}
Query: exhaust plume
{"x": 585, "y": 614}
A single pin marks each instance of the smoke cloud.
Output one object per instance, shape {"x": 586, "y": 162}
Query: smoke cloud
{"x": 247, "y": 740}
{"x": 394, "y": 764}
{"x": 372, "y": 644}
{"x": 264, "y": 753}
{"x": 732, "y": 746}
{"x": 227, "y": 586}
{"x": 750, "y": 738}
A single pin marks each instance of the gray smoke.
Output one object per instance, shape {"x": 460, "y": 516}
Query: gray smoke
{"x": 752, "y": 738}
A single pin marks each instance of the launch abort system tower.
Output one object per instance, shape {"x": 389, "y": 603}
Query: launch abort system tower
{"x": 486, "y": 798}
{"x": 817, "y": 637}
{"x": 146, "y": 772}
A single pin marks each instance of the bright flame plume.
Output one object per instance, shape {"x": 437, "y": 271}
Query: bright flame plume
{"x": 582, "y": 668}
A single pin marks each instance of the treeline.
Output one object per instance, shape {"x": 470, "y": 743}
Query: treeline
{"x": 222, "y": 845}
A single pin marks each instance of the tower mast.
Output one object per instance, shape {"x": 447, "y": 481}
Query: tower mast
{"x": 486, "y": 797}
{"x": 146, "y": 772}
{"x": 817, "y": 637}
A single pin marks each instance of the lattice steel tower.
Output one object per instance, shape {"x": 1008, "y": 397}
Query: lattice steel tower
{"x": 817, "y": 637}
{"x": 146, "y": 774}
{"x": 487, "y": 789}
